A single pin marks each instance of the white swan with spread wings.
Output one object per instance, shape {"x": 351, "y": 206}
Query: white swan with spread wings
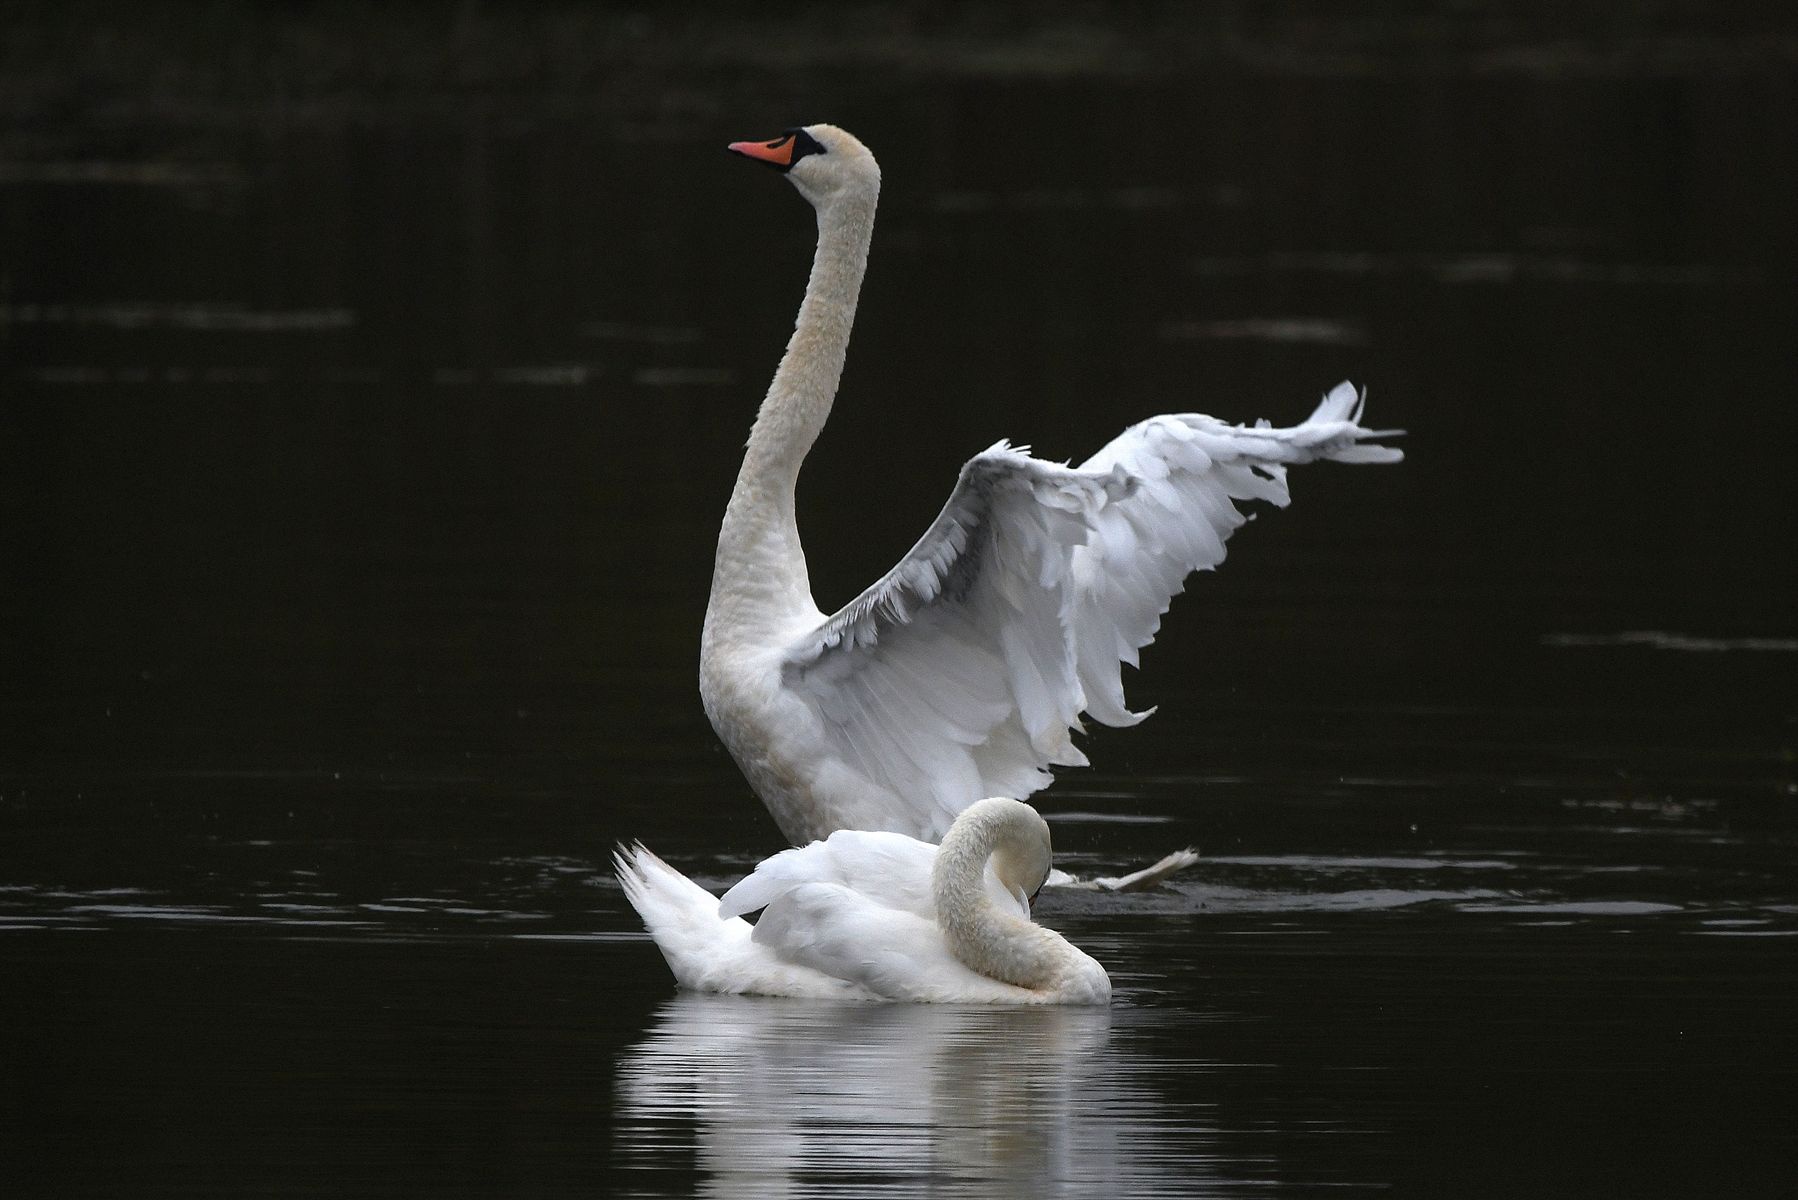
{"x": 962, "y": 673}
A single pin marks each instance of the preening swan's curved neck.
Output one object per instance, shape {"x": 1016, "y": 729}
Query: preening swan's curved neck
{"x": 760, "y": 574}
{"x": 998, "y": 944}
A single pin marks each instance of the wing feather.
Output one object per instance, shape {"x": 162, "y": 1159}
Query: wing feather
{"x": 964, "y": 671}
{"x": 888, "y": 868}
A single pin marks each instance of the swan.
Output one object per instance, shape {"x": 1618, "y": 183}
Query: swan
{"x": 963, "y": 672}
{"x": 875, "y": 916}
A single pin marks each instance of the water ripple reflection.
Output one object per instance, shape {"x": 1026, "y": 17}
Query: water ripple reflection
{"x": 776, "y": 1098}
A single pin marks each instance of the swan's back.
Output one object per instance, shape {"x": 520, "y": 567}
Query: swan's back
{"x": 889, "y": 869}
{"x": 839, "y": 931}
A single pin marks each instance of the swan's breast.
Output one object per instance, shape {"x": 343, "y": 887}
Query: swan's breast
{"x": 1087, "y": 983}
{"x": 778, "y": 741}
{"x": 771, "y": 734}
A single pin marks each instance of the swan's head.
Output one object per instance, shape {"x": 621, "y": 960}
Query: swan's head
{"x": 822, "y": 161}
{"x": 1022, "y": 854}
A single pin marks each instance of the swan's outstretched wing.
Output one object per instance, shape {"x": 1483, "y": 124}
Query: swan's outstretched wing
{"x": 1191, "y": 471}
{"x": 952, "y": 678}
{"x": 963, "y": 672}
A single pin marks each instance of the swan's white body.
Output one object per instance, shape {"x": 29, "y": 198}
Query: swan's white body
{"x": 876, "y": 916}
{"x": 963, "y": 672}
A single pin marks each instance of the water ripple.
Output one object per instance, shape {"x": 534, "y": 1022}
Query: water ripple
{"x": 981, "y": 1101}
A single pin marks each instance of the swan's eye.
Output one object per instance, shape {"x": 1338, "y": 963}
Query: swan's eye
{"x": 804, "y": 144}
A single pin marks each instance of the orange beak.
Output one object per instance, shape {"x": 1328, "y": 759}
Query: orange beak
{"x": 777, "y": 153}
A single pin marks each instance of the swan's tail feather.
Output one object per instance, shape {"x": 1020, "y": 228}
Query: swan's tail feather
{"x": 647, "y": 879}
{"x": 681, "y": 916}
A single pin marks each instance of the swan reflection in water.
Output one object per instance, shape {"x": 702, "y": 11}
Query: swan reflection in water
{"x": 776, "y": 1098}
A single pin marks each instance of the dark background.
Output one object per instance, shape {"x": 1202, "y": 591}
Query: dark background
{"x": 372, "y": 379}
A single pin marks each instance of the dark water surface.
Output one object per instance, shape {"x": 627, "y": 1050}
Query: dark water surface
{"x": 370, "y": 388}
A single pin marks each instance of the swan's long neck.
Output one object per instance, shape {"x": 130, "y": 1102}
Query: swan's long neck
{"x": 998, "y": 944}
{"x": 759, "y": 582}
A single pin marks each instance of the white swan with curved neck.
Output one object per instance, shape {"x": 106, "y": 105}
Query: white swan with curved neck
{"x": 876, "y": 916}
{"x": 962, "y": 673}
